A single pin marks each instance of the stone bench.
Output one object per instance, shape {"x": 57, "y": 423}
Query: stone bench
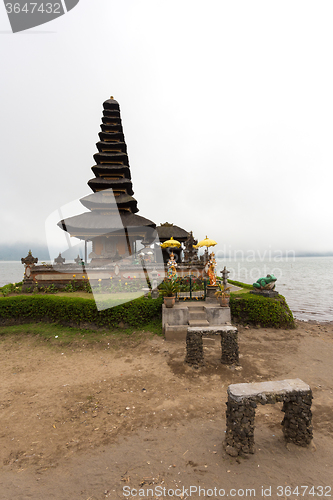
{"x": 244, "y": 398}
{"x": 194, "y": 345}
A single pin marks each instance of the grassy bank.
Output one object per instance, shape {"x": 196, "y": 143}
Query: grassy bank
{"x": 247, "y": 308}
{"x": 60, "y": 336}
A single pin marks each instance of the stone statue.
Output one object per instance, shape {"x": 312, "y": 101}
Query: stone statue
{"x": 172, "y": 264}
{"x": 211, "y": 264}
{"x": 267, "y": 283}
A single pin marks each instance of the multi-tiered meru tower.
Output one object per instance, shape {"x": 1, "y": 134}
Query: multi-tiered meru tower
{"x": 111, "y": 224}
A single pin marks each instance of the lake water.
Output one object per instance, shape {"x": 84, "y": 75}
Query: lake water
{"x": 306, "y": 282}
{"x": 10, "y": 272}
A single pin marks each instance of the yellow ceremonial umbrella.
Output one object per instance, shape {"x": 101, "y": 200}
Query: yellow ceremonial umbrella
{"x": 207, "y": 242}
{"x": 171, "y": 243}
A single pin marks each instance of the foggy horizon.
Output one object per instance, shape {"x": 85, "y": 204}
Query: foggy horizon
{"x": 226, "y": 111}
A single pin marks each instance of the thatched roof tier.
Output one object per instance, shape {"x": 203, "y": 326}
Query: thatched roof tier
{"x": 166, "y": 230}
{"x": 111, "y": 128}
{"x": 120, "y": 158}
{"x": 112, "y": 136}
{"x": 101, "y": 170}
{"x": 97, "y": 224}
{"x": 112, "y": 113}
{"x": 98, "y": 183}
{"x": 109, "y": 147}
{"x": 102, "y": 200}
{"x": 111, "y": 104}
{"x": 109, "y": 120}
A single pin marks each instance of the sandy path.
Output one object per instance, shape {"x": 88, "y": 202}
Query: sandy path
{"x": 83, "y": 422}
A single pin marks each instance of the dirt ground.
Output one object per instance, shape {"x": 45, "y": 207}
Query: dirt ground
{"x": 125, "y": 419}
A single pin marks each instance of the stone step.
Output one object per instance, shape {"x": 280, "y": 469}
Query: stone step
{"x": 197, "y": 315}
{"x": 198, "y": 322}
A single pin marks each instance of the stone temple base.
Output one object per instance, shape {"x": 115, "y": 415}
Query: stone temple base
{"x": 177, "y": 319}
{"x": 243, "y": 400}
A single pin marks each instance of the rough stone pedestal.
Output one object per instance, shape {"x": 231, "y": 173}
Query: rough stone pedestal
{"x": 210, "y": 293}
{"x": 243, "y": 399}
{"x": 229, "y": 344}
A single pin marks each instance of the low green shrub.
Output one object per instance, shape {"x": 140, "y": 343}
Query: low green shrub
{"x": 74, "y": 310}
{"x": 245, "y": 308}
{"x": 11, "y": 288}
{"x": 257, "y": 310}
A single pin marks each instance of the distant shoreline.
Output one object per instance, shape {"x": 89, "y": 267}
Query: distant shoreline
{"x": 298, "y": 255}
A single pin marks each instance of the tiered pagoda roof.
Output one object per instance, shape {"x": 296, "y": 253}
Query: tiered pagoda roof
{"x": 111, "y": 205}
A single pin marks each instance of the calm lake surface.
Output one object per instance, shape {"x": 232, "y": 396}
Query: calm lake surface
{"x": 306, "y": 282}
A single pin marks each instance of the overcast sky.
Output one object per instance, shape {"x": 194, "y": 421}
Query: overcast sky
{"x": 227, "y": 110}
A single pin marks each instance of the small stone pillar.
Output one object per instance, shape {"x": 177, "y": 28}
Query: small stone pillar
{"x": 59, "y": 260}
{"x": 225, "y": 273}
{"x": 229, "y": 344}
{"x": 297, "y": 426}
{"x": 154, "y": 290}
{"x": 240, "y": 427}
{"x": 29, "y": 261}
{"x": 194, "y": 349}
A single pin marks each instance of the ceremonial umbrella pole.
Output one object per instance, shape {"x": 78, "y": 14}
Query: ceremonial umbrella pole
{"x": 171, "y": 264}
{"x": 207, "y": 242}
{"x": 210, "y": 266}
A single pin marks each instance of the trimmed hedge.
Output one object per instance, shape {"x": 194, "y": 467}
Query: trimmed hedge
{"x": 263, "y": 311}
{"x": 245, "y": 308}
{"x": 76, "y": 310}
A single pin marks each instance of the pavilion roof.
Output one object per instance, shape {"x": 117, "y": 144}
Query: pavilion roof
{"x": 166, "y": 230}
{"x": 103, "y": 223}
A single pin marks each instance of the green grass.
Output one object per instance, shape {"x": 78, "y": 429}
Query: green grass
{"x": 239, "y": 292}
{"x": 82, "y": 295}
{"x": 58, "y": 335}
{"x": 242, "y": 285}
